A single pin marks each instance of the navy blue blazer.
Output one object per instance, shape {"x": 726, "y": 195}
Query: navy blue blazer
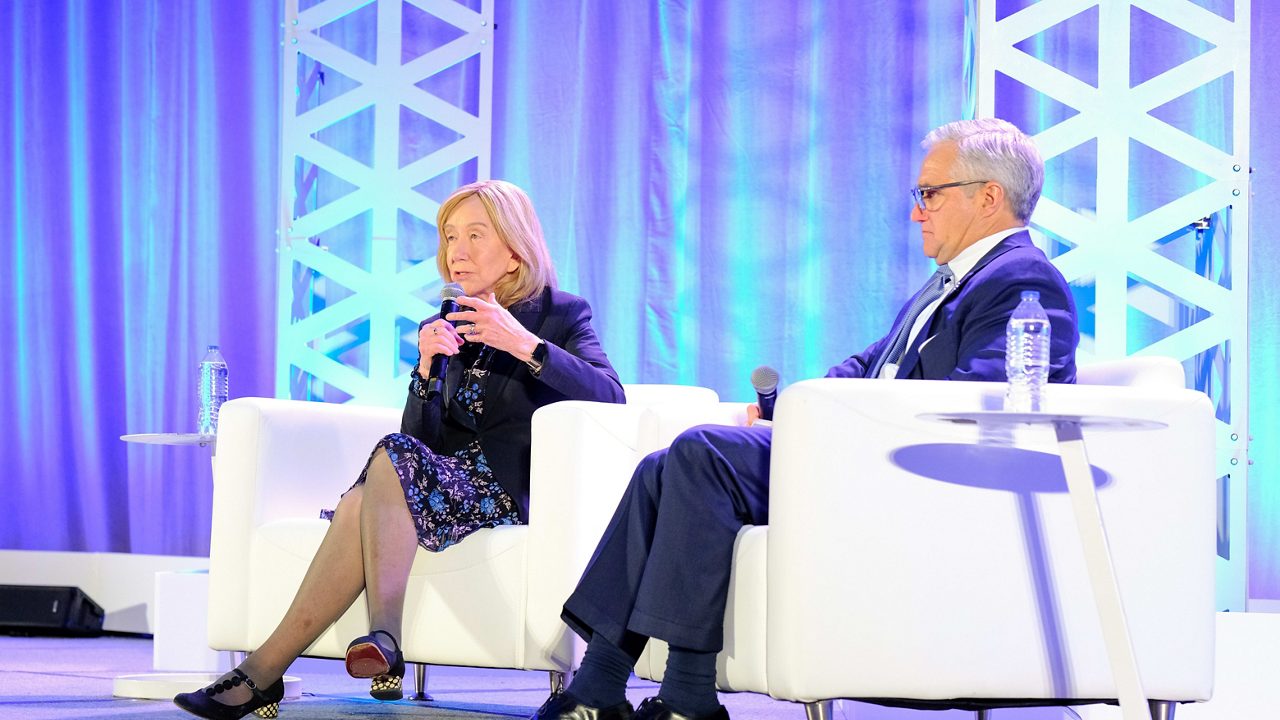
{"x": 575, "y": 368}
{"x": 964, "y": 339}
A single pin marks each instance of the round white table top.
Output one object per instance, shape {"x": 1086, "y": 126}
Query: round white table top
{"x": 171, "y": 438}
{"x": 1000, "y": 417}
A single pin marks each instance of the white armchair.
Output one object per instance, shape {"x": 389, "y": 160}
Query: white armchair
{"x": 946, "y": 565}
{"x": 922, "y": 563}
{"x": 280, "y": 462}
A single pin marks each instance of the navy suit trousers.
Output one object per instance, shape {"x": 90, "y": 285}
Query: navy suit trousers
{"x": 662, "y": 566}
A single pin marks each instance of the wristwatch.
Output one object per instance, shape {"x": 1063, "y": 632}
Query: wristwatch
{"x": 538, "y": 357}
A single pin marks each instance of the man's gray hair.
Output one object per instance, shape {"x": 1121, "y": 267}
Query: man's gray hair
{"x": 995, "y": 150}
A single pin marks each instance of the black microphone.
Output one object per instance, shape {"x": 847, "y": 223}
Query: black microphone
{"x": 765, "y": 380}
{"x": 440, "y": 363}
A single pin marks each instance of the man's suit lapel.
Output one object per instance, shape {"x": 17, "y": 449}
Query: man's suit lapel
{"x": 912, "y": 357}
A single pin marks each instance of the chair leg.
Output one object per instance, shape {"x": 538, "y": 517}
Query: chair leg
{"x": 820, "y": 710}
{"x": 985, "y": 714}
{"x": 420, "y": 682}
{"x": 237, "y": 658}
{"x": 1162, "y": 709}
{"x": 557, "y": 681}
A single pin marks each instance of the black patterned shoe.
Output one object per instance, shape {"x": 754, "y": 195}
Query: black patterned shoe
{"x": 563, "y": 706}
{"x": 655, "y": 708}
{"x": 264, "y": 703}
{"x": 388, "y": 686}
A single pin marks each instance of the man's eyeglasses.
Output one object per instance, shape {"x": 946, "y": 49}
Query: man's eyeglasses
{"x": 925, "y": 195}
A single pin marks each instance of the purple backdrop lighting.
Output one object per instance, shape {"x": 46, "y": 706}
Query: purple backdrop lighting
{"x": 695, "y": 171}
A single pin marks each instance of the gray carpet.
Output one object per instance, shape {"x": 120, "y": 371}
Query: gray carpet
{"x": 42, "y": 677}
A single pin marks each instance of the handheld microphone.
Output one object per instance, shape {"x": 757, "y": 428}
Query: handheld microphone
{"x": 440, "y": 363}
{"x": 765, "y": 380}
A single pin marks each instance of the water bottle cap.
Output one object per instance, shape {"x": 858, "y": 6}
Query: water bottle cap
{"x": 215, "y": 347}
{"x": 1030, "y": 295}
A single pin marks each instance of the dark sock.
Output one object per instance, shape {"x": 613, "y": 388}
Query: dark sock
{"x": 601, "y": 680}
{"x": 689, "y": 683}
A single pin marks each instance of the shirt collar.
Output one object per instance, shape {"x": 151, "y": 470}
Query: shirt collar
{"x": 961, "y": 264}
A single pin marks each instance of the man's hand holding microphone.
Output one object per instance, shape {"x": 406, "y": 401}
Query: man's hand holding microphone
{"x": 765, "y": 380}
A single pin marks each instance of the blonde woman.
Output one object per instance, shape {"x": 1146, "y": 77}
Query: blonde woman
{"x": 455, "y": 466}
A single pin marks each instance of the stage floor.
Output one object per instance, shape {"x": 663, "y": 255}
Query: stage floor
{"x": 45, "y": 677}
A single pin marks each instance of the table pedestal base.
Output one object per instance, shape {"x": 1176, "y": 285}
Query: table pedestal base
{"x": 163, "y": 686}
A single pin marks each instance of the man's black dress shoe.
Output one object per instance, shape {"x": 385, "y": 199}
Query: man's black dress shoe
{"x": 563, "y": 706}
{"x": 655, "y": 708}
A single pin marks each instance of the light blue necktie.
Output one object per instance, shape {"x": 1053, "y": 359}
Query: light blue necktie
{"x": 932, "y": 290}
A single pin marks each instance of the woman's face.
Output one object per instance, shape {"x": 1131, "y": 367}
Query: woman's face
{"x": 477, "y": 258}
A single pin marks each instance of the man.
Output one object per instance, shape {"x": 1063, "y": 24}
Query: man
{"x": 662, "y": 567}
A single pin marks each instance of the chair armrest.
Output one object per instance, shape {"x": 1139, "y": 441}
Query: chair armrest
{"x": 278, "y": 459}
{"x": 582, "y": 457}
{"x": 583, "y": 454}
{"x": 657, "y": 394}
{"x": 662, "y": 422}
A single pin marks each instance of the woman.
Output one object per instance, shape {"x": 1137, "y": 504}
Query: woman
{"x": 455, "y": 466}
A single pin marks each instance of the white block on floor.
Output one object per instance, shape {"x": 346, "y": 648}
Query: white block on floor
{"x": 181, "y": 613}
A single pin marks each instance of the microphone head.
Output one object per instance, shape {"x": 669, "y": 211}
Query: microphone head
{"x": 451, "y": 291}
{"x": 764, "y": 379}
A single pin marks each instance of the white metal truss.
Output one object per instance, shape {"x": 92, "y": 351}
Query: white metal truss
{"x": 1119, "y": 254}
{"x": 347, "y": 320}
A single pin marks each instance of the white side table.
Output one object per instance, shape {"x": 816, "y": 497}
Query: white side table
{"x": 1093, "y": 536}
{"x": 180, "y": 627}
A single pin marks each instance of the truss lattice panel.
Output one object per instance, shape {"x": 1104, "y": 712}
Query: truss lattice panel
{"x": 1145, "y": 212}
{"x": 386, "y": 108}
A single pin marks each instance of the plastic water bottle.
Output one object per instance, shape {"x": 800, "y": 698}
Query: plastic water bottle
{"x": 212, "y": 390}
{"x": 1026, "y": 360}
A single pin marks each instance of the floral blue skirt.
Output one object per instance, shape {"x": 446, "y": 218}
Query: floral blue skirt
{"x": 449, "y": 496}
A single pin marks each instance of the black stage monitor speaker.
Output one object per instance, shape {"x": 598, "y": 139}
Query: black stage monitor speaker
{"x": 48, "y": 610}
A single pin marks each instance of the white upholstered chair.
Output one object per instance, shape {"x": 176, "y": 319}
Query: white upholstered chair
{"x": 914, "y": 562}
{"x": 281, "y": 462}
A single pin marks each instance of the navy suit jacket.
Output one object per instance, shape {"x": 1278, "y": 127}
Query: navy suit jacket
{"x": 575, "y": 368}
{"x": 964, "y": 339}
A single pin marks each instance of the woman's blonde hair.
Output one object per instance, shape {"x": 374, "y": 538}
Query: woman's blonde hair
{"x": 512, "y": 215}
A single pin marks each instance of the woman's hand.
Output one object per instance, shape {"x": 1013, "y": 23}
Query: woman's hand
{"x": 436, "y": 338}
{"x": 494, "y": 326}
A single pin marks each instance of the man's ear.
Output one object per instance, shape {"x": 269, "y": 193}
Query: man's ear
{"x": 993, "y": 199}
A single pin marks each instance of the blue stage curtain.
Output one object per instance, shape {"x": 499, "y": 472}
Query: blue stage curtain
{"x": 138, "y": 155}
{"x": 725, "y": 182}
{"x": 1264, "y": 310}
